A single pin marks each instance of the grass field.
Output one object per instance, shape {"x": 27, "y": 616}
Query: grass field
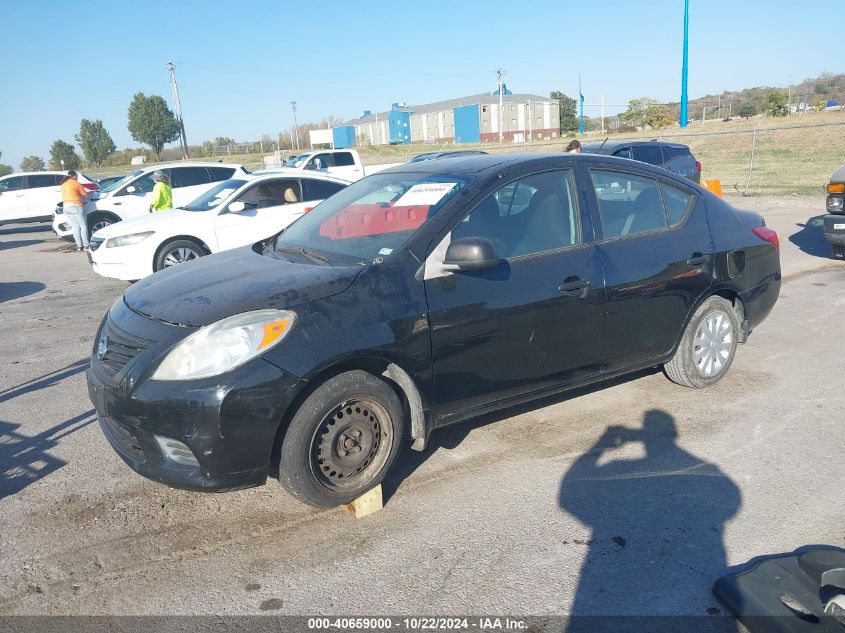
{"x": 792, "y": 155}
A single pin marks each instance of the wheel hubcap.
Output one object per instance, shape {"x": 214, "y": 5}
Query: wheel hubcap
{"x": 713, "y": 344}
{"x": 99, "y": 225}
{"x": 351, "y": 445}
{"x": 178, "y": 256}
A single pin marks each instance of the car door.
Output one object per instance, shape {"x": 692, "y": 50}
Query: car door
{"x": 131, "y": 200}
{"x": 270, "y": 205}
{"x": 657, "y": 255}
{"x": 13, "y": 205}
{"x": 344, "y": 166}
{"x": 533, "y": 321}
{"x": 188, "y": 183}
{"x": 43, "y": 194}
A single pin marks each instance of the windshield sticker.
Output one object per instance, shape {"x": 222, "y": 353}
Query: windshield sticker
{"x": 425, "y": 194}
{"x": 385, "y": 251}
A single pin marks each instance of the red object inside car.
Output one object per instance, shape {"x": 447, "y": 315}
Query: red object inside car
{"x": 359, "y": 220}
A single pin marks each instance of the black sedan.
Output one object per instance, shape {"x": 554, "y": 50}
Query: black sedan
{"x": 418, "y": 297}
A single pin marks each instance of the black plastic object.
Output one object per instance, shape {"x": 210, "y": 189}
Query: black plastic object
{"x": 786, "y": 593}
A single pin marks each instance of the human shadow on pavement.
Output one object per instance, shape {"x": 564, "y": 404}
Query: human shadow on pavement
{"x": 657, "y": 515}
{"x": 810, "y": 239}
{"x": 47, "y": 380}
{"x": 25, "y": 460}
{"x": 18, "y": 289}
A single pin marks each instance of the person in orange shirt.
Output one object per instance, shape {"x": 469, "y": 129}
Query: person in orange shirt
{"x": 74, "y": 198}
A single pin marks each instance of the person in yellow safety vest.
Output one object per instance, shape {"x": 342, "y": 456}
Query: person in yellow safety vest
{"x": 162, "y": 199}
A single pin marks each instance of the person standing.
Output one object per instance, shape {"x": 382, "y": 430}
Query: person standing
{"x": 162, "y": 193}
{"x": 74, "y": 198}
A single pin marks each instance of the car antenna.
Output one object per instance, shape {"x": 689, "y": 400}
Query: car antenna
{"x": 603, "y": 142}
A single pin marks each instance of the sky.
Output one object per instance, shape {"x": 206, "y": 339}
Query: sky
{"x": 239, "y": 65}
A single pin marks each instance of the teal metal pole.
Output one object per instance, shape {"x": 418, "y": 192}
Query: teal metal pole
{"x": 581, "y": 125}
{"x": 684, "y": 69}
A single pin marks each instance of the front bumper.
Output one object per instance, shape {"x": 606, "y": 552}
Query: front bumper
{"x": 228, "y": 423}
{"x": 128, "y": 263}
{"x": 834, "y": 229}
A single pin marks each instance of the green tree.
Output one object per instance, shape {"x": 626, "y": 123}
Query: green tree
{"x": 747, "y": 111}
{"x": 776, "y": 103}
{"x": 61, "y": 152}
{"x": 568, "y": 111}
{"x": 5, "y": 170}
{"x": 820, "y": 104}
{"x": 94, "y": 141}
{"x": 151, "y": 122}
{"x": 646, "y": 112}
{"x": 32, "y": 163}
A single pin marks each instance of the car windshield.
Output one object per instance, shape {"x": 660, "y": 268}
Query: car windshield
{"x": 296, "y": 161}
{"x": 371, "y": 218}
{"x": 214, "y": 196}
{"x": 118, "y": 183}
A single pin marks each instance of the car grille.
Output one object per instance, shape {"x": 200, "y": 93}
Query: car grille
{"x": 123, "y": 440}
{"x": 96, "y": 242}
{"x": 116, "y": 349}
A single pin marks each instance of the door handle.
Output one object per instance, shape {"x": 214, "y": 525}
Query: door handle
{"x": 117, "y": 204}
{"x": 575, "y": 287}
{"x": 698, "y": 259}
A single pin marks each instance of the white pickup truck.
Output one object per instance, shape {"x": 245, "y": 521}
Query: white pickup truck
{"x": 340, "y": 163}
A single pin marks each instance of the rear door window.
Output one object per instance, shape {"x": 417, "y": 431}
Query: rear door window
{"x": 677, "y": 201}
{"x": 12, "y": 184}
{"x": 189, "y": 176}
{"x": 624, "y": 152}
{"x": 36, "y": 181}
{"x": 650, "y": 154}
{"x": 628, "y": 203}
{"x": 220, "y": 173}
{"x": 321, "y": 189}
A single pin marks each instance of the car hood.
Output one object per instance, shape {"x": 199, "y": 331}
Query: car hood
{"x": 211, "y": 288}
{"x": 149, "y": 222}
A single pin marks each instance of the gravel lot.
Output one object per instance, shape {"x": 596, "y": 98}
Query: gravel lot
{"x": 538, "y": 511}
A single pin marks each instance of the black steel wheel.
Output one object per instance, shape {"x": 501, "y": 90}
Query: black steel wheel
{"x": 342, "y": 440}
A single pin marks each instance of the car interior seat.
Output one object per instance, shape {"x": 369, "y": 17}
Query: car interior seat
{"x": 290, "y": 195}
{"x": 545, "y": 225}
{"x": 265, "y": 196}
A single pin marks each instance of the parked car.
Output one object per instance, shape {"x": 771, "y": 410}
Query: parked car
{"x": 32, "y": 196}
{"x": 234, "y": 213}
{"x": 834, "y": 221}
{"x": 342, "y": 163}
{"x": 672, "y": 156}
{"x": 419, "y": 297}
{"x": 434, "y": 155}
{"x": 130, "y": 196}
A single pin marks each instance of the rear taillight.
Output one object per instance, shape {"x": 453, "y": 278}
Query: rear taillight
{"x": 91, "y": 186}
{"x": 767, "y": 234}
{"x": 698, "y": 166}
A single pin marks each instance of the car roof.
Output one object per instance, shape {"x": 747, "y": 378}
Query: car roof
{"x": 288, "y": 171}
{"x": 187, "y": 164}
{"x": 597, "y": 147}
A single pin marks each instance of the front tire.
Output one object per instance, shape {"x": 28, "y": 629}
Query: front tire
{"x": 707, "y": 347}
{"x": 99, "y": 221}
{"x": 342, "y": 440}
{"x": 177, "y": 252}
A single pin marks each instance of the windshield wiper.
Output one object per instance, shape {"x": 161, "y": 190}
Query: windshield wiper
{"x": 312, "y": 255}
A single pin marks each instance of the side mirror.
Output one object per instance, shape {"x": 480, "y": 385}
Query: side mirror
{"x": 470, "y": 253}
{"x": 131, "y": 189}
{"x": 236, "y": 207}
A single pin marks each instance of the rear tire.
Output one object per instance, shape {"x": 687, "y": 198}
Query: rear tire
{"x": 342, "y": 440}
{"x": 177, "y": 252}
{"x": 707, "y": 347}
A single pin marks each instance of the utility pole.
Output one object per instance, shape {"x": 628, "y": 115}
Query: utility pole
{"x": 602, "y": 114}
{"x": 178, "y": 105}
{"x": 295, "y": 126}
{"x": 581, "y": 104}
{"x": 684, "y": 70}
{"x": 499, "y": 74}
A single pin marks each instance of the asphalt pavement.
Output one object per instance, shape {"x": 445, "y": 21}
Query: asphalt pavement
{"x": 631, "y": 497}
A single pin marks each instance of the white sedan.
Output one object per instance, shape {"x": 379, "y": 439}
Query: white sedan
{"x": 236, "y": 212}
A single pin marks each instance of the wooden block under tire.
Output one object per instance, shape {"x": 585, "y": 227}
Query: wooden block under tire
{"x": 366, "y": 504}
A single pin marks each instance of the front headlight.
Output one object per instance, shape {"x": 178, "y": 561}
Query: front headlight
{"x": 128, "y": 240}
{"x": 835, "y": 204}
{"x": 224, "y": 345}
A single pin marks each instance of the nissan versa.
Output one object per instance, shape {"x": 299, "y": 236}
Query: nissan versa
{"x": 418, "y": 297}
